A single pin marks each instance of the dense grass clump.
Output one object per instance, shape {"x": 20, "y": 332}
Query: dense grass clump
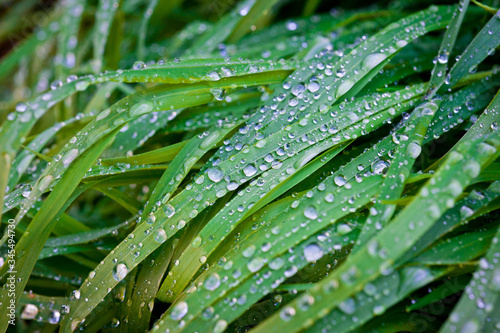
{"x": 263, "y": 165}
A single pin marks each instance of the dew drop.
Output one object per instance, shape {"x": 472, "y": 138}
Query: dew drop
{"x": 250, "y": 170}
{"x": 140, "y": 108}
{"x": 160, "y": 236}
{"x": 414, "y": 150}
{"x": 81, "y": 85}
{"x": 179, "y": 311}
{"x": 344, "y": 87}
{"x": 220, "y": 326}
{"x": 215, "y": 174}
{"x": 29, "y": 311}
{"x": 212, "y": 282}
{"x": 169, "y": 210}
{"x": 311, "y": 213}
{"x": 313, "y": 252}
{"x": 120, "y": 272}
{"x": 69, "y": 157}
{"x": 45, "y": 182}
{"x": 372, "y": 60}
{"x": 54, "y": 317}
{"x": 339, "y": 180}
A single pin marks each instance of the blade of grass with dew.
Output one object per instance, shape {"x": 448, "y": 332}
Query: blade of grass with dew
{"x": 104, "y": 16}
{"x": 399, "y": 170}
{"x": 144, "y": 28}
{"x": 349, "y": 125}
{"x": 407, "y": 151}
{"x": 254, "y": 256}
{"x": 470, "y": 313}
{"x": 67, "y": 39}
{"x": 115, "y": 117}
{"x": 219, "y": 32}
{"x": 486, "y": 40}
{"x": 31, "y": 243}
{"x": 465, "y": 248}
{"x": 464, "y": 211}
{"x": 376, "y": 298}
{"x": 439, "y": 72}
{"x": 455, "y": 173}
{"x": 14, "y": 130}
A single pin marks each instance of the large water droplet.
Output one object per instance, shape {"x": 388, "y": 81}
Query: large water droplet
{"x": 169, "y": 210}
{"x": 250, "y": 170}
{"x": 372, "y": 60}
{"x": 313, "y": 252}
{"x": 344, "y": 87}
{"x": 140, "y": 108}
{"x": 179, "y": 311}
{"x": 29, "y": 311}
{"x": 54, "y": 317}
{"x": 414, "y": 150}
{"x": 311, "y": 213}
{"x": 120, "y": 272}
{"x": 160, "y": 236}
{"x": 212, "y": 282}
{"x": 69, "y": 157}
{"x": 215, "y": 174}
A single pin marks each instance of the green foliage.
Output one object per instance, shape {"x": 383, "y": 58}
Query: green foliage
{"x": 335, "y": 172}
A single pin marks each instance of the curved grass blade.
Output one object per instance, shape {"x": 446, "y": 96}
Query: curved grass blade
{"x": 482, "y": 293}
{"x": 31, "y": 243}
{"x": 104, "y": 16}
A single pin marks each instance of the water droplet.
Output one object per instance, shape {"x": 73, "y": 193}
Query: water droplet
{"x": 54, "y": 317}
{"x": 21, "y": 107}
{"x": 160, "y": 236}
{"x": 75, "y": 295}
{"x": 179, "y": 310}
{"x": 344, "y": 87}
{"x": 443, "y": 58}
{"x": 45, "y": 182}
{"x": 140, "y": 108}
{"x": 291, "y": 26}
{"x": 29, "y": 311}
{"x": 311, "y": 213}
{"x": 220, "y": 326}
{"x": 313, "y": 87}
{"x": 212, "y": 282}
{"x": 120, "y": 272}
{"x": 372, "y": 60}
{"x": 169, "y": 210}
{"x": 340, "y": 72}
{"x": 313, "y": 252}
{"x": 287, "y": 313}
{"x": 215, "y": 174}
{"x": 81, "y": 85}
{"x": 471, "y": 326}
{"x": 214, "y": 76}
{"x": 472, "y": 168}
{"x": 255, "y": 264}
{"x": 414, "y": 150}
{"x": 196, "y": 242}
{"x": 339, "y": 180}
{"x": 218, "y": 93}
{"x": 69, "y": 157}
{"x": 378, "y": 310}
{"x": 250, "y": 170}
{"x": 401, "y": 43}
{"x": 348, "y": 306}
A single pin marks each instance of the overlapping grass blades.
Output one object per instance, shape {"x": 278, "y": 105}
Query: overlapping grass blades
{"x": 323, "y": 177}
